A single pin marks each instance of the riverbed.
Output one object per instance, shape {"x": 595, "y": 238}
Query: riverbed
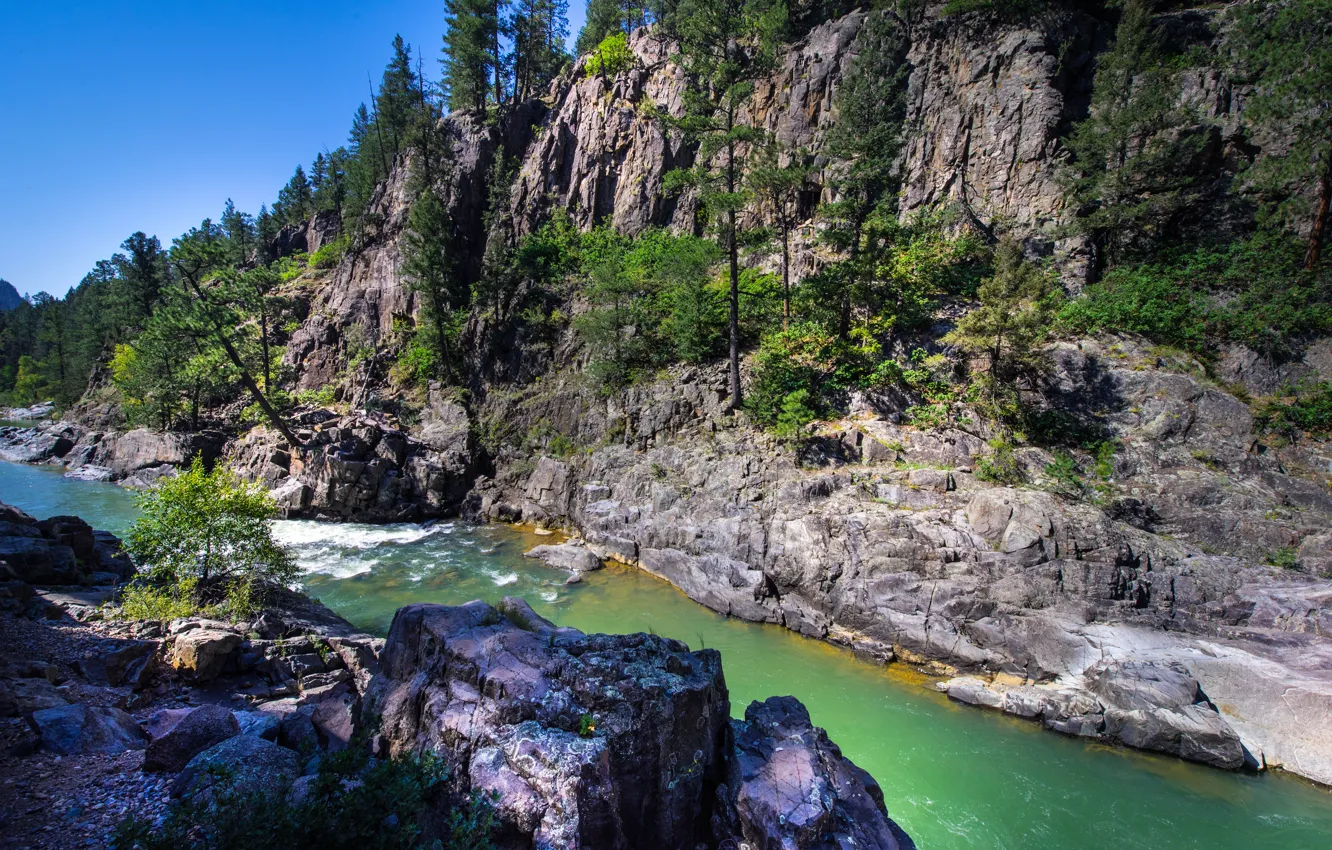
{"x": 953, "y": 776}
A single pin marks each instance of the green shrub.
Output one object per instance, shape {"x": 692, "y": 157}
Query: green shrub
{"x": 1066, "y": 475}
{"x": 330, "y": 253}
{"x": 322, "y": 397}
{"x": 1309, "y": 411}
{"x": 611, "y": 56}
{"x": 795, "y": 416}
{"x": 1286, "y": 558}
{"x": 1001, "y": 466}
{"x": 202, "y": 532}
{"x": 141, "y": 601}
{"x": 803, "y": 357}
{"x": 353, "y": 803}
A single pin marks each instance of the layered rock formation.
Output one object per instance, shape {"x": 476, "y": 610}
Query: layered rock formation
{"x": 613, "y": 741}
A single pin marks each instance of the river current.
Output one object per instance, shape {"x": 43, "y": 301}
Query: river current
{"x": 953, "y": 776}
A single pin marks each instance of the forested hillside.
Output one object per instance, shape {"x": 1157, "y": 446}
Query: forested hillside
{"x": 1195, "y": 180}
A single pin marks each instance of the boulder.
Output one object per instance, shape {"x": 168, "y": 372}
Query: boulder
{"x": 70, "y": 729}
{"x": 590, "y": 740}
{"x": 787, "y": 786}
{"x": 21, "y": 697}
{"x": 122, "y": 662}
{"x": 566, "y": 556}
{"x": 178, "y": 735}
{"x": 201, "y": 654}
{"x": 244, "y": 762}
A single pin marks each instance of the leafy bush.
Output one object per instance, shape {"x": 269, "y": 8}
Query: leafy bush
{"x": 1286, "y": 558}
{"x": 353, "y": 803}
{"x": 330, "y": 253}
{"x": 1253, "y": 292}
{"x": 149, "y": 602}
{"x": 202, "y": 531}
{"x": 803, "y": 358}
{"x": 1066, "y": 475}
{"x": 1001, "y": 466}
{"x": 1308, "y": 411}
{"x": 322, "y": 397}
{"x": 611, "y": 56}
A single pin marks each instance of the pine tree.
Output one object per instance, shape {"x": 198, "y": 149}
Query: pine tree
{"x": 1132, "y": 179}
{"x": 1286, "y": 49}
{"x": 430, "y": 268}
{"x": 607, "y": 17}
{"x": 398, "y": 98}
{"x": 240, "y": 231}
{"x": 1017, "y": 308}
{"x": 472, "y": 63}
{"x": 725, "y": 45}
{"x": 538, "y": 29}
{"x": 142, "y": 275}
{"x": 295, "y": 202}
{"x": 864, "y": 145}
{"x": 778, "y": 187}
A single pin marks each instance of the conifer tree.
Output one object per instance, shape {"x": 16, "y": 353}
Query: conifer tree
{"x": 1286, "y": 50}
{"x": 295, "y": 202}
{"x": 472, "y": 62}
{"x": 431, "y": 271}
{"x": 1131, "y": 174}
{"x": 1017, "y": 308}
{"x": 725, "y": 45}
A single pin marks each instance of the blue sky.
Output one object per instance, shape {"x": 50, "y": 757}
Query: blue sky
{"x": 121, "y": 116}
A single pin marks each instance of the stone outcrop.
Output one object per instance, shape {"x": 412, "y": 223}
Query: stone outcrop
{"x": 178, "y": 735}
{"x": 83, "y": 729}
{"x": 62, "y": 550}
{"x": 609, "y": 740}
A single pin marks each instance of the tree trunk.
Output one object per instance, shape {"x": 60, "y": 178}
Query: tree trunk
{"x": 246, "y": 378}
{"x": 1320, "y": 219}
{"x": 786, "y": 270}
{"x": 733, "y": 249}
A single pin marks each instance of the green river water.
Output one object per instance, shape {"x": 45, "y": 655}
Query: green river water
{"x": 953, "y": 776}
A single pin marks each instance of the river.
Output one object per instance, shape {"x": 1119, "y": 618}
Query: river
{"x": 953, "y": 776}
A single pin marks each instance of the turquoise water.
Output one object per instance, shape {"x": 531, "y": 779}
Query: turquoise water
{"x": 953, "y": 776}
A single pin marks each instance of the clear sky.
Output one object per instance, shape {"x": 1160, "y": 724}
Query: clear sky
{"x": 118, "y": 116}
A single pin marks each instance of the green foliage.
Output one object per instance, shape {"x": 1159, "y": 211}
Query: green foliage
{"x": 353, "y": 802}
{"x": 417, "y": 362}
{"x": 652, "y": 302}
{"x": 804, "y": 361}
{"x": 431, "y": 271}
{"x": 141, "y": 601}
{"x": 1131, "y": 176}
{"x": 325, "y": 396}
{"x": 610, "y": 57}
{"x": 1286, "y": 558}
{"x": 1001, "y": 465}
{"x": 330, "y": 253}
{"x": 1285, "y": 50}
{"x": 587, "y": 725}
{"x": 1066, "y": 475}
{"x": 606, "y": 17}
{"x": 795, "y": 416}
{"x": 200, "y": 530}
{"x": 1253, "y": 292}
{"x": 1018, "y": 303}
{"x": 1307, "y": 411}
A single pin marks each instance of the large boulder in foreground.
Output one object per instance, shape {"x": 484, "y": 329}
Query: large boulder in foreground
{"x": 179, "y": 734}
{"x": 788, "y": 786}
{"x": 611, "y": 741}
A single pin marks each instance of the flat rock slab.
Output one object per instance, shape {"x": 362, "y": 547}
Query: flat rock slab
{"x": 566, "y": 556}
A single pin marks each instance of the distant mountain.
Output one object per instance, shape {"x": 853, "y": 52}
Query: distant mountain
{"x": 9, "y": 296}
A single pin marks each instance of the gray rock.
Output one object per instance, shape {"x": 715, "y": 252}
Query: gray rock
{"x": 21, "y": 697}
{"x": 178, "y": 735}
{"x": 247, "y": 762}
{"x": 788, "y": 786}
{"x": 565, "y": 556}
{"x": 72, "y": 729}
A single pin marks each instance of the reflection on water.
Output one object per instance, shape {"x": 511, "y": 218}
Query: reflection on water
{"x": 953, "y": 776}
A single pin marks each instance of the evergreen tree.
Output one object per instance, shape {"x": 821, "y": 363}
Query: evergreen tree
{"x": 240, "y": 231}
{"x": 1286, "y": 49}
{"x": 142, "y": 274}
{"x": 538, "y": 29}
{"x": 1132, "y": 180}
{"x": 778, "y": 186}
{"x": 1017, "y": 307}
{"x": 295, "y": 201}
{"x": 606, "y": 17}
{"x": 431, "y": 271}
{"x": 472, "y": 62}
{"x": 864, "y": 144}
{"x": 266, "y": 227}
{"x": 725, "y": 45}
{"x": 398, "y": 98}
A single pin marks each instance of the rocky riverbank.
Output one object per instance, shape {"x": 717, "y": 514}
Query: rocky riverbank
{"x": 588, "y": 740}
